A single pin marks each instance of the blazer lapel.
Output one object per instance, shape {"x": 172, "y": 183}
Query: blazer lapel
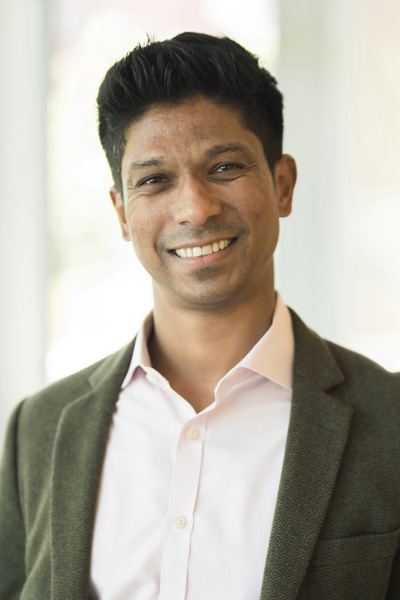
{"x": 76, "y": 469}
{"x": 318, "y": 430}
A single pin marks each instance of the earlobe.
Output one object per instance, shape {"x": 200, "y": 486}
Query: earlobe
{"x": 120, "y": 210}
{"x": 285, "y": 176}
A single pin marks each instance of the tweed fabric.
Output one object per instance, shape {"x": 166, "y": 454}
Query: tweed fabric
{"x": 337, "y": 518}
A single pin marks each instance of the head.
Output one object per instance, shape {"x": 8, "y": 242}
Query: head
{"x": 190, "y": 64}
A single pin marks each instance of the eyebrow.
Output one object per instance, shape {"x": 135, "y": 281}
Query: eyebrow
{"x": 230, "y": 147}
{"x": 212, "y": 152}
{"x": 150, "y": 162}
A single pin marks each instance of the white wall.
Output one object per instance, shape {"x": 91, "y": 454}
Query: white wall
{"x": 23, "y": 61}
{"x": 339, "y": 255}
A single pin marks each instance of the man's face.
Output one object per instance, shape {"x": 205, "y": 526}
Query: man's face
{"x": 201, "y": 206}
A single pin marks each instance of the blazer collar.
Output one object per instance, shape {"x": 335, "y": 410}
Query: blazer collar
{"x": 318, "y": 430}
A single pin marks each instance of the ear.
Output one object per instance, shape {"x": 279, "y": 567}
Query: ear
{"x": 120, "y": 210}
{"x": 285, "y": 175}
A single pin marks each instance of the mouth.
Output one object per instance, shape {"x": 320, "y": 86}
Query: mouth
{"x": 197, "y": 251}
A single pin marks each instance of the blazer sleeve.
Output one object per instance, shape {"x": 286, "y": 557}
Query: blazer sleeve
{"x": 393, "y": 591}
{"x": 12, "y": 531}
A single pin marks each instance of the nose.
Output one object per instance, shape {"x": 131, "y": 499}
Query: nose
{"x": 195, "y": 203}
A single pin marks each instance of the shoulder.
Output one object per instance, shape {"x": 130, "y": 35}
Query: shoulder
{"x": 46, "y": 405}
{"x": 346, "y": 374}
{"x": 355, "y": 365}
{"x": 368, "y": 387}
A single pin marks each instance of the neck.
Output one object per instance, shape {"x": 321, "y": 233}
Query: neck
{"x": 194, "y": 349}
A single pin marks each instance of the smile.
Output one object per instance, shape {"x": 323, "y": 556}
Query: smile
{"x": 203, "y": 250}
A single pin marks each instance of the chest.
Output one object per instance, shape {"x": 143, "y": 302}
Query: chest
{"x": 173, "y": 480}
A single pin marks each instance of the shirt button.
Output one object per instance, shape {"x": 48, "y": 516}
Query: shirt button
{"x": 180, "y": 522}
{"x": 152, "y": 378}
{"x": 191, "y": 433}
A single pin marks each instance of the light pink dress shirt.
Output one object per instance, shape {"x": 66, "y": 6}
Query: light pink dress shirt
{"x": 187, "y": 499}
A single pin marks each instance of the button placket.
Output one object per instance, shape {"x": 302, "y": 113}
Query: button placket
{"x": 179, "y": 523}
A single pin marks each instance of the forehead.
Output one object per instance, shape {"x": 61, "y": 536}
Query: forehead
{"x": 190, "y": 126}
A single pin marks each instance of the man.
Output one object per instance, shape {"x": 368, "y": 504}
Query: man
{"x": 228, "y": 452}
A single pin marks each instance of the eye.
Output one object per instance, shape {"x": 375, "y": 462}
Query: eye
{"x": 227, "y": 172}
{"x": 227, "y": 167}
{"x": 154, "y": 179}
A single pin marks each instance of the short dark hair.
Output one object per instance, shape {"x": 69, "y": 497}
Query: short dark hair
{"x": 189, "y": 64}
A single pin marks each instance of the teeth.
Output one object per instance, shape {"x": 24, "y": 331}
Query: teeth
{"x": 202, "y": 250}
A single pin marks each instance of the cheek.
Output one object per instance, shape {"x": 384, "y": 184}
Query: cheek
{"x": 265, "y": 221}
{"x": 139, "y": 220}
{"x": 145, "y": 227}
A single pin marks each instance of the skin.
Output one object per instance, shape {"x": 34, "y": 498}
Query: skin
{"x": 192, "y": 175}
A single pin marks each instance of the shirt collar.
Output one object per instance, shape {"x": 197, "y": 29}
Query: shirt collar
{"x": 140, "y": 356}
{"x": 272, "y": 356}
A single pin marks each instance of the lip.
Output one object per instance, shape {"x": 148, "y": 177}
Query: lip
{"x": 207, "y": 260}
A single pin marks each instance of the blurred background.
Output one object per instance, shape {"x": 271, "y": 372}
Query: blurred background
{"x": 72, "y": 291}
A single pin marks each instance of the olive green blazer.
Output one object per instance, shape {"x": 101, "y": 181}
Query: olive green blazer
{"x": 337, "y": 520}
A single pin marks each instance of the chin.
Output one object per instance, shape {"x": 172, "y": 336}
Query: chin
{"x": 218, "y": 297}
